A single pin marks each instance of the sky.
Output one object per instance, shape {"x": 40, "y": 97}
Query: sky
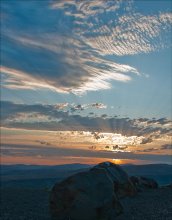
{"x": 86, "y": 81}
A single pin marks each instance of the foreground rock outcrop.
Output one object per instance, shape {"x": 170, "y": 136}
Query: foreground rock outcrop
{"x": 141, "y": 183}
{"x": 85, "y": 196}
{"x": 95, "y": 194}
{"x": 91, "y": 195}
{"x": 123, "y": 186}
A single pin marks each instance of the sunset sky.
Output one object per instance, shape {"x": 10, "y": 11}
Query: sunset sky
{"x": 85, "y": 81}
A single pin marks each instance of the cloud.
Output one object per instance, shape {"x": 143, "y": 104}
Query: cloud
{"x": 64, "y": 46}
{"x": 166, "y": 147}
{"x": 16, "y": 79}
{"x": 98, "y": 105}
{"x": 87, "y": 8}
{"x": 129, "y": 33}
{"x": 133, "y": 34}
{"x": 50, "y": 151}
{"x": 147, "y": 150}
{"x": 146, "y": 140}
{"x": 104, "y": 116}
{"x": 42, "y": 142}
{"x": 82, "y": 107}
{"x": 119, "y": 148}
{"x": 97, "y": 135}
{"x": 78, "y": 107}
{"x": 29, "y": 114}
{"x": 64, "y": 63}
{"x": 109, "y": 130}
{"x": 61, "y": 105}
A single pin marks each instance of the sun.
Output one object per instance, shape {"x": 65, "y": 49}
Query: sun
{"x": 117, "y": 161}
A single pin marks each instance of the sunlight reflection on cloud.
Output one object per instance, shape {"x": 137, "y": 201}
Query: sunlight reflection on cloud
{"x": 77, "y": 62}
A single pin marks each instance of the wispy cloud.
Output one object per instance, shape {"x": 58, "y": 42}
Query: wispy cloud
{"x": 64, "y": 46}
{"x": 132, "y": 34}
{"x": 83, "y": 9}
{"x": 50, "y": 152}
{"x": 129, "y": 33}
{"x": 16, "y": 79}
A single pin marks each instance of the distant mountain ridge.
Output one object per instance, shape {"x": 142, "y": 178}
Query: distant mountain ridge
{"x": 73, "y": 166}
{"x": 148, "y": 168}
{"x": 24, "y": 173}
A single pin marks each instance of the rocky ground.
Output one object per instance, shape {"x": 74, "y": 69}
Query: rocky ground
{"x": 24, "y": 204}
{"x": 153, "y": 204}
{"x": 28, "y": 204}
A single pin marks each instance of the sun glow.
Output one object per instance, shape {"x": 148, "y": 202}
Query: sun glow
{"x": 117, "y": 161}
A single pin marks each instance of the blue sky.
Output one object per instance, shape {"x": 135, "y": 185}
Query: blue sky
{"x": 86, "y": 64}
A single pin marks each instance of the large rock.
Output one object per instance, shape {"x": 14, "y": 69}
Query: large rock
{"x": 122, "y": 183}
{"x": 85, "y": 196}
{"x": 142, "y": 183}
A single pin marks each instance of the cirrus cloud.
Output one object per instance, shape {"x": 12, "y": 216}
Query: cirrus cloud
{"x": 64, "y": 46}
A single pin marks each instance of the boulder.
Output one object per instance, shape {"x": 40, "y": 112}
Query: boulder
{"x": 121, "y": 181}
{"x": 142, "y": 183}
{"x": 85, "y": 196}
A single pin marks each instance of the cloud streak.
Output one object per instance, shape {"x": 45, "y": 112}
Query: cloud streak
{"x": 44, "y": 152}
{"x": 64, "y": 46}
{"x": 109, "y": 130}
